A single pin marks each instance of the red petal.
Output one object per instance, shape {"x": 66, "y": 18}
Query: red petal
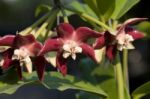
{"x": 61, "y": 63}
{"x": 130, "y": 21}
{"x": 103, "y": 40}
{"x": 23, "y": 40}
{"x": 40, "y": 63}
{"x": 89, "y": 51}
{"x": 7, "y": 55}
{"x": 34, "y": 48}
{"x": 100, "y": 42}
{"x": 7, "y": 40}
{"x": 51, "y": 45}
{"x": 134, "y": 33}
{"x": 84, "y": 33}
{"x": 65, "y": 30}
{"x": 133, "y": 20}
{"x": 111, "y": 52}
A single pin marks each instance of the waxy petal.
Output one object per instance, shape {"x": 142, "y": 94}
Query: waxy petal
{"x": 51, "y": 45}
{"x": 99, "y": 43}
{"x": 7, "y": 55}
{"x": 128, "y": 22}
{"x": 28, "y": 42}
{"x": 7, "y": 40}
{"x": 34, "y": 48}
{"x": 84, "y": 33}
{"x": 89, "y": 51}
{"x": 134, "y": 33}
{"x": 133, "y": 20}
{"x": 103, "y": 40}
{"x": 40, "y": 64}
{"x": 65, "y": 30}
{"x": 20, "y": 40}
{"x": 61, "y": 63}
{"x": 111, "y": 51}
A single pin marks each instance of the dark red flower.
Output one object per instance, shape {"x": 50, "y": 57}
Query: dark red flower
{"x": 122, "y": 40}
{"x": 22, "y": 50}
{"x": 69, "y": 43}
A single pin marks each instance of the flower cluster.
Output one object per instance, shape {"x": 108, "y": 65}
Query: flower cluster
{"x": 22, "y": 51}
{"x": 122, "y": 40}
{"x": 27, "y": 51}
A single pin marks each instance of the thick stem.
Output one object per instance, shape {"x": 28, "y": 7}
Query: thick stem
{"x": 112, "y": 31}
{"x": 119, "y": 78}
{"x": 49, "y": 28}
{"x": 125, "y": 68}
{"x": 65, "y": 16}
{"x": 45, "y": 24}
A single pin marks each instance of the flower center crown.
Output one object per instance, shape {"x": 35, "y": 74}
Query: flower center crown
{"x": 70, "y": 49}
{"x": 124, "y": 41}
{"x": 22, "y": 55}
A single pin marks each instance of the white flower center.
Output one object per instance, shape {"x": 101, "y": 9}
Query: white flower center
{"x": 70, "y": 49}
{"x": 124, "y": 41}
{"x": 22, "y": 55}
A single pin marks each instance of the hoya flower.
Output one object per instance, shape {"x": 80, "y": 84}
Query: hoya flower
{"x": 69, "y": 43}
{"x": 23, "y": 51}
{"x": 122, "y": 40}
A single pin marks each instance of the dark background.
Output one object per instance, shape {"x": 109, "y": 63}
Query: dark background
{"x": 15, "y": 15}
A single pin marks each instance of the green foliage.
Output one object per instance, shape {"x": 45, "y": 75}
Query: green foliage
{"x": 42, "y": 8}
{"x": 103, "y": 9}
{"x": 141, "y": 91}
{"x": 9, "y": 82}
{"x": 106, "y": 78}
{"x": 144, "y": 27}
{"x": 93, "y": 5}
{"x": 76, "y": 6}
{"x": 122, "y": 6}
{"x": 106, "y": 9}
{"x": 53, "y": 80}
{"x": 100, "y": 75}
{"x": 83, "y": 95}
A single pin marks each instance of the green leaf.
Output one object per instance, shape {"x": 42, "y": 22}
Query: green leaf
{"x": 55, "y": 80}
{"x": 93, "y": 5}
{"x": 102, "y": 8}
{"x": 106, "y": 8}
{"x": 101, "y": 75}
{"x": 85, "y": 95}
{"x": 106, "y": 79}
{"x": 9, "y": 82}
{"x": 127, "y": 94}
{"x": 122, "y": 6}
{"x": 141, "y": 91}
{"x": 76, "y": 6}
{"x": 42, "y": 8}
{"x": 144, "y": 27}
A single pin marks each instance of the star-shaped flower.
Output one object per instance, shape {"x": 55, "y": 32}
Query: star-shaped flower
{"x": 122, "y": 40}
{"x": 69, "y": 43}
{"x": 23, "y": 51}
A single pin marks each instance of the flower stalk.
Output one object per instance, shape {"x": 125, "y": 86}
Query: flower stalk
{"x": 112, "y": 31}
{"x": 125, "y": 68}
{"x": 34, "y": 25}
{"x": 47, "y": 22}
{"x": 119, "y": 79}
{"x": 65, "y": 16}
